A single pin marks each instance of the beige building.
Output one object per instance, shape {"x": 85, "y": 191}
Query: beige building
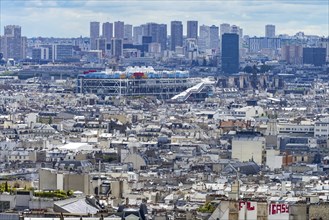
{"x": 52, "y": 180}
{"x": 249, "y": 148}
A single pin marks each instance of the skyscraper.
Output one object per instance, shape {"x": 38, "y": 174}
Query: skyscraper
{"x": 107, "y": 31}
{"x": 270, "y": 31}
{"x": 237, "y": 30}
{"x": 176, "y": 34}
{"x": 204, "y": 38}
{"x": 119, "y": 29}
{"x": 158, "y": 32}
{"x": 225, "y": 28}
{"x": 128, "y": 32}
{"x": 162, "y": 36}
{"x": 138, "y": 33}
{"x": 94, "y": 34}
{"x": 192, "y": 29}
{"x": 152, "y": 31}
{"x": 12, "y": 43}
{"x": 230, "y": 53}
{"x": 214, "y": 37}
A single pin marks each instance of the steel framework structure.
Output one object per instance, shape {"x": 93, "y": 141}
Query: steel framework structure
{"x": 163, "y": 88}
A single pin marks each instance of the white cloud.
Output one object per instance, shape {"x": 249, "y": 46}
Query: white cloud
{"x": 71, "y": 18}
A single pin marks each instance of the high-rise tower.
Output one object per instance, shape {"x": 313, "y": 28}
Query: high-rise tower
{"x": 94, "y": 34}
{"x": 107, "y": 31}
{"x": 176, "y": 34}
{"x": 270, "y": 30}
{"x": 12, "y": 43}
{"x": 192, "y": 29}
{"x": 119, "y": 29}
{"x": 230, "y": 53}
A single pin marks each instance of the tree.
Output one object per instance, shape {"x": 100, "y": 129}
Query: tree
{"x": 50, "y": 120}
{"x": 69, "y": 192}
{"x": 6, "y": 187}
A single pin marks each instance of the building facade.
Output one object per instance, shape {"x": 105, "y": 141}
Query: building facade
{"x": 314, "y": 56}
{"x": 119, "y": 29}
{"x": 270, "y": 31}
{"x": 107, "y": 31}
{"x": 176, "y": 35}
{"x": 230, "y": 53}
{"x": 94, "y": 34}
{"x": 13, "y": 45}
{"x": 192, "y": 29}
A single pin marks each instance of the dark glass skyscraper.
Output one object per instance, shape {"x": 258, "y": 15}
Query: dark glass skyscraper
{"x": 230, "y": 53}
{"x": 176, "y": 34}
{"x": 192, "y": 29}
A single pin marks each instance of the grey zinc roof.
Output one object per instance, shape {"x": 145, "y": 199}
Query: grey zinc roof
{"x": 76, "y": 205}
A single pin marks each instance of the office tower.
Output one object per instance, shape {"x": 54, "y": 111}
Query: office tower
{"x": 176, "y": 34}
{"x": 237, "y": 30}
{"x": 270, "y": 30}
{"x": 94, "y": 34}
{"x": 158, "y": 32}
{"x": 152, "y": 31}
{"x": 192, "y": 29}
{"x": 225, "y": 28}
{"x": 101, "y": 44}
{"x": 137, "y": 35}
{"x": 315, "y": 56}
{"x": 234, "y": 29}
{"x": 119, "y": 29}
{"x": 204, "y": 38}
{"x": 12, "y": 43}
{"x": 162, "y": 36}
{"x": 107, "y": 31}
{"x": 214, "y": 37}
{"x": 144, "y": 29}
{"x": 292, "y": 54}
{"x": 230, "y": 53}
{"x": 128, "y": 32}
{"x": 116, "y": 47}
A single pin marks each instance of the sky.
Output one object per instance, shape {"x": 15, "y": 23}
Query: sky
{"x": 70, "y": 18}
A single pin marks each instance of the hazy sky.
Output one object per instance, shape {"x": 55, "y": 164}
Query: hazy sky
{"x": 70, "y": 18}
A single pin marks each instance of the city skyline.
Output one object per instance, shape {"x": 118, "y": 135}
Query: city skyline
{"x": 289, "y": 17}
